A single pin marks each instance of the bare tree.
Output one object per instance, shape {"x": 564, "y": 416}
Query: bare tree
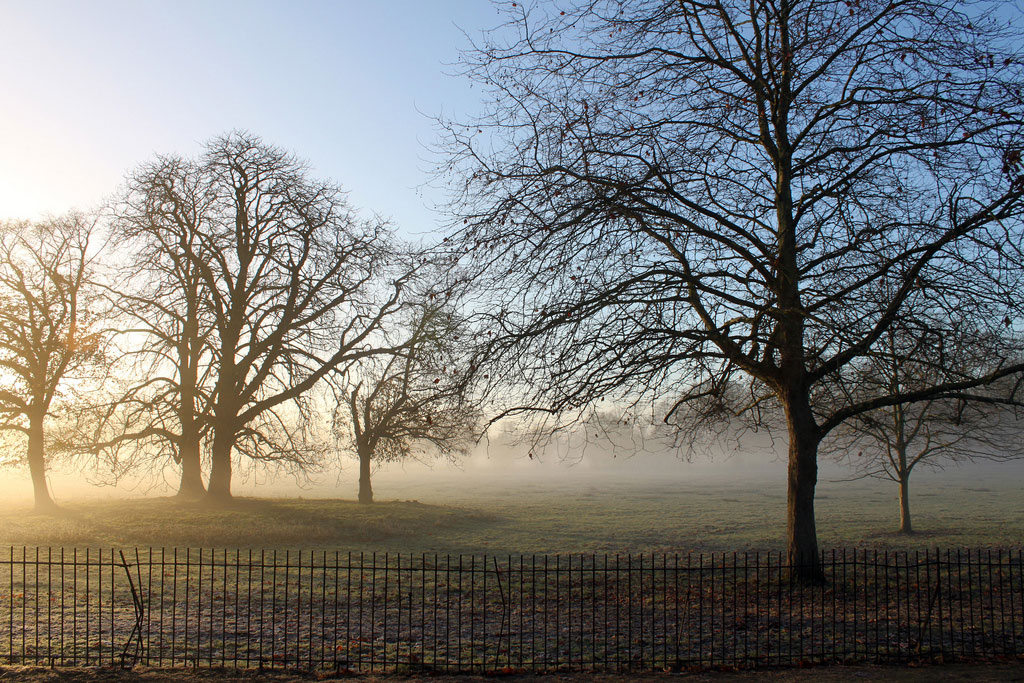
{"x": 166, "y": 333}
{"x": 46, "y": 328}
{"x": 414, "y": 401}
{"x": 662, "y": 196}
{"x": 294, "y": 286}
{"x": 891, "y": 442}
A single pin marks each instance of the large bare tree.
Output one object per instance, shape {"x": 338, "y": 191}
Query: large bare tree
{"x": 665, "y": 196}
{"x": 292, "y": 285}
{"x": 47, "y": 328}
{"x": 162, "y": 402}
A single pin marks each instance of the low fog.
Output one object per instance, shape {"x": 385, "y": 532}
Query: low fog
{"x": 496, "y": 468}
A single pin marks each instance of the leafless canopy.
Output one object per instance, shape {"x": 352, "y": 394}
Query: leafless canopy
{"x": 261, "y": 282}
{"x": 892, "y": 442}
{"x": 416, "y": 398}
{"x": 665, "y": 198}
{"x": 47, "y": 328}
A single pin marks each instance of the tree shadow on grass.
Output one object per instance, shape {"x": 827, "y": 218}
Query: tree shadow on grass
{"x": 250, "y": 523}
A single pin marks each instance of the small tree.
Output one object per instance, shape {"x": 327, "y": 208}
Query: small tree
{"x": 890, "y": 442}
{"x": 46, "y": 328}
{"x": 414, "y": 400}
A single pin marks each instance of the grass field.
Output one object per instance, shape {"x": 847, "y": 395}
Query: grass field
{"x": 506, "y": 514}
{"x": 509, "y": 515}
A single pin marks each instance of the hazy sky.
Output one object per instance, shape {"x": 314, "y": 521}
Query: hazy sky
{"x": 91, "y": 89}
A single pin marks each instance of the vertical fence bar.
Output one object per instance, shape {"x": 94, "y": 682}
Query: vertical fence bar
{"x": 434, "y": 630}
{"x": 949, "y": 606}
{"x": 544, "y": 642}
{"x": 985, "y": 568}
{"x": 49, "y": 606}
{"x": 273, "y": 610}
{"x": 1013, "y": 608}
{"x": 174, "y": 607}
{"x": 74, "y": 604}
{"x": 188, "y": 576}
{"x": 149, "y": 612}
{"x": 373, "y": 609}
{"x": 99, "y": 607}
{"x": 62, "y": 616}
{"x": 198, "y": 630}
{"x": 1002, "y": 607}
{"x": 297, "y": 657}
{"x": 359, "y": 607}
{"x": 677, "y": 624}
{"x": 323, "y": 613}
{"x": 243, "y": 647}
{"x": 980, "y": 567}
{"x": 335, "y": 650}
{"x": 941, "y": 597}
{"x": 10, "y": 606}
{"x": 113, "y": 575}
{"x": 35, "y": 612}
{"x": 1020, "y": 583}
{"x": 605, "y": 646}
{"x": 225, "y": 598}
{"x": 448, "y": 587}
{"x": 348, "y": 608}
{"x": 967, "y": 569}
{"x": 960, "y": 601}
{"x": 87, "y": 592}
{"x": 423, "y": 608}
{"x": 284, "y": 617}
{"x": 263, "y": 592}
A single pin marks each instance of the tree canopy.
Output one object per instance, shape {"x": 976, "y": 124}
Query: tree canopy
{"x": 47, "y": 329}
{"x": 666, "y": 198}
{"x": 264, "y": 282}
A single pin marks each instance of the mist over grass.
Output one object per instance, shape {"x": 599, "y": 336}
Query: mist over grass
{"x": 501, "y": 501}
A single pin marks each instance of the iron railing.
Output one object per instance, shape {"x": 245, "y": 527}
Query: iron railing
{"x": 317, "y": 610}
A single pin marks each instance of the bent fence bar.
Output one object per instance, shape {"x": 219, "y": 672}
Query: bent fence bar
{"x": 385, "y": 612}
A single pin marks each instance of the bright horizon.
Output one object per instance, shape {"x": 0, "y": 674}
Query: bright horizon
{"x": 95, "y": 89}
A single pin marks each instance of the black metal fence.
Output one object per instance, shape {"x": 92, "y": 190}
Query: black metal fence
{"x": 386, "y": 612}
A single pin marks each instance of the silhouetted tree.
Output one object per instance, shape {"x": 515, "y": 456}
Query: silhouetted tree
{"x": 889, "y": 443}
{"x": 46, "y": 328}
{"x": 166, "y": 327}
{"x": 414, "y": 401}
{"x": 662, "y": 195}
{"x": 293, "y": 285}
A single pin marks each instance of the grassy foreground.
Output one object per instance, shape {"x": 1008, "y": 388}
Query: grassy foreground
{"x": 598, "y": 517}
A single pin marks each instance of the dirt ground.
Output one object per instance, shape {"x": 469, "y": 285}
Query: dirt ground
{"x": 1000, "y": 671}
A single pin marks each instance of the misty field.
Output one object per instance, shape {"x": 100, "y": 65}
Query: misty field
{"x": 510, "y": 515}
{"x": 625, "y": 581}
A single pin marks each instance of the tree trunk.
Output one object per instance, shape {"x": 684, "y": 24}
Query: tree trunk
{"x": 905, "y": 526}
{"x": 37, "y": 465}
{"x": 191, "y": 471}
{"x": 365, "y": 489}
{"x": 219, "y": 488}
{"x": 801, "y": 534}
{"x": 188, "y": 447}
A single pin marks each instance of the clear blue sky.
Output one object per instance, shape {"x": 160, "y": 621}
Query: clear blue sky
{"x": 90, "y": 89}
